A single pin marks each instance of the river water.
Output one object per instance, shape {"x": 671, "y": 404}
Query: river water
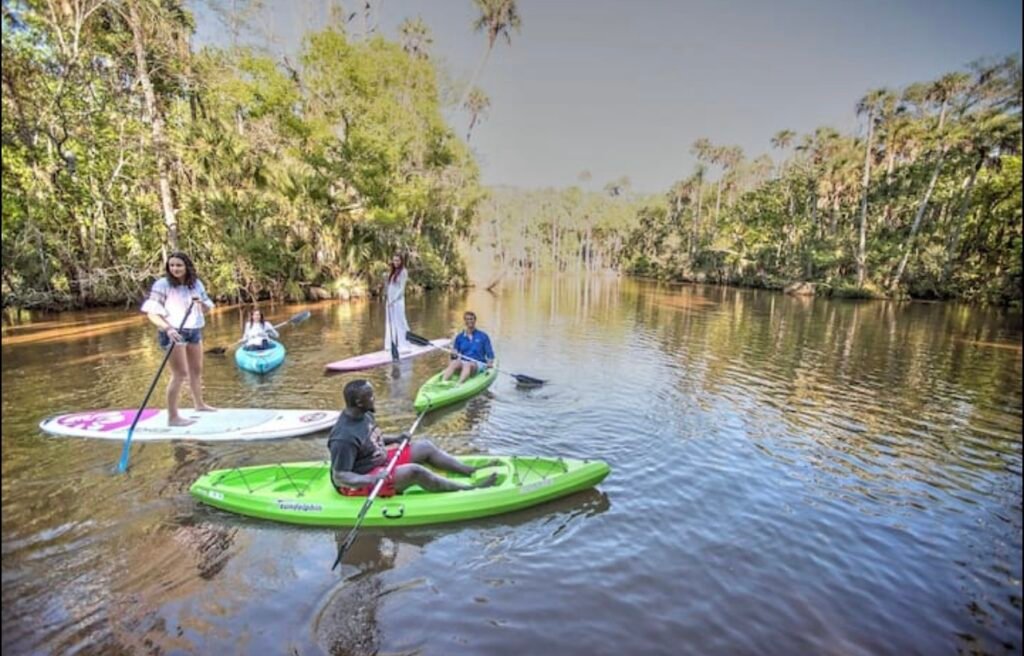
{"x": 788, "y": 476}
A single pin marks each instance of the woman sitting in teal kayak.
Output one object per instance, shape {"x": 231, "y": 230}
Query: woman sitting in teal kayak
{"x": 474, "y": 351}
{"x": 359, "y": 457}
{"x": 258, "y": 332}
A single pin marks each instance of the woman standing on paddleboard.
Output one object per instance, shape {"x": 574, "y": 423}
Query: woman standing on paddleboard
{"x": 395, "y": 323}
{"x": 167, "y": 306}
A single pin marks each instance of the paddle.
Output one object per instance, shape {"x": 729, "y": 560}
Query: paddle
{"x": 373, "y": 493}
{"x": 391, "y": 331}
{"x": 520, "y": 378}
{"x": 122, "y": 466}
{"x": 298, "y": 318}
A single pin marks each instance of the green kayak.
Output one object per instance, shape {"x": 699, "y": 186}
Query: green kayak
{"x": 436, "y": 393}
{"x": 302, "y": 493}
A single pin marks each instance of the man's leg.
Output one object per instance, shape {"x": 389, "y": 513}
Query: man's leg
{"x": 450, "y": 370}
{"x": 409, "y": 475}
{"x": 424, "y": 451}
{"x": 468, "y": 369}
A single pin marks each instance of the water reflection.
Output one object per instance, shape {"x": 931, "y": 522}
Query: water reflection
{"x": 814, "y": 475}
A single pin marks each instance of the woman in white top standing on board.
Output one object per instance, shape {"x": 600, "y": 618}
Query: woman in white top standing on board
{"x": 395, "y": 324}
{"x": 168, "y": 301}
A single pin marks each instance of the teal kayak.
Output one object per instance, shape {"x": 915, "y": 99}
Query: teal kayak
{"x": 302, "y": 493}
{"x": 436, "y": 393}
{"x": 260, "y": 362}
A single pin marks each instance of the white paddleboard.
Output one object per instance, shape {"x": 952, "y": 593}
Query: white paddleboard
{"x": 379, "y": 358}
{"x": 222, "y": 425}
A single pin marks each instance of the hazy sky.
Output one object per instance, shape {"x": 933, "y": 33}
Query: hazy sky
{"x": 623, "y": 87}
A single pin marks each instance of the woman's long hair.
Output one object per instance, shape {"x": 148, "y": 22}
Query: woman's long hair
{"x": 263, "y": 320}
{"x": 190, "y": 270}
{"x": 396, "y": 270}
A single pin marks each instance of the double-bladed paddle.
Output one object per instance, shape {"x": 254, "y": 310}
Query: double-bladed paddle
{"x": 298, "y": 318}
{"x": 522, "y": 379}
{"x": 376, "y": 489}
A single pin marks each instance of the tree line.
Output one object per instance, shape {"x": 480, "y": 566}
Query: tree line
{"x": 925, "y": 201}
{"x": 122, "y": 142}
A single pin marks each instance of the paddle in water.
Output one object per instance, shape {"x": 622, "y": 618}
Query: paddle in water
{"x": 522, "y": 379}
{"x": 376, "y": 489}
{"x": 298, "y": 318}
{"x": 122, "y": 466}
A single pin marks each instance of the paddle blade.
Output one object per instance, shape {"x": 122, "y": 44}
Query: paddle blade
{"x": 300, "y": 317}
{"x": 122, "y": 465}
{"x": 416, "y": 339}
{"x": 530, "y": 381}
{"x": 217, "y": 350}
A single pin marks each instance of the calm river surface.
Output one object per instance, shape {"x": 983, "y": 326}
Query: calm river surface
{"x": 788, "y": 476}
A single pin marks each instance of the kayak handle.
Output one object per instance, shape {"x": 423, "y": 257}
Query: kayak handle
{"x": 386, "y": 512}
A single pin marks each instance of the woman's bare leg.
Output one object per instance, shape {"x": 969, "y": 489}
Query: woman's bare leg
{"x": 195, "y": 376}
{"x": 179, "y": 372}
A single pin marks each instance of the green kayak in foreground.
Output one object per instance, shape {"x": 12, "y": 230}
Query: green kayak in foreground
{"x": 302, "y": 493}
{"x": 436, "y": 393}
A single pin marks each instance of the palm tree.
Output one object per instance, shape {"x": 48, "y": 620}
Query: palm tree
{"x": 782, "y": 141}
{"x": 960, "y": 91}
{"x": 729, "y": 158}
{"x": 497, "y": 18}
{"x": 415, "y": 37}
{"x": 869, "y": 105}
{"x": 476, "y": 104}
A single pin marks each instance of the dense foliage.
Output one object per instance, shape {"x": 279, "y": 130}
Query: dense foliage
{"x": 121, "y": 142}
{"x": 926, "y": 202}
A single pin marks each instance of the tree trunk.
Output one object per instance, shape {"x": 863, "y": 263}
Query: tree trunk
{"x": 718, "y": 199}
{"x": 696, "y": 223}
{"x": 958, "y": 220}
{"x": 865, "y": 182}
{"x": 156, "y": 121}
{"x": 833, "y": 226}
{"x": 476, "y": 74}
{"x": 917, "y": 221}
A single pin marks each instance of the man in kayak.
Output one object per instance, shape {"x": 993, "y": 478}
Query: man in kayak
{"x": 359, "y": 458}
{"x": 473, "y": 347}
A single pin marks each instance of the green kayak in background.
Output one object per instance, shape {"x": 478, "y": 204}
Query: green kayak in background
{"x": 436, "y": 393}
{"x": 302, "y": 493}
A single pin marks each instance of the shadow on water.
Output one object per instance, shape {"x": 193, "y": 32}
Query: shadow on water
{"x": 345, "y": 619}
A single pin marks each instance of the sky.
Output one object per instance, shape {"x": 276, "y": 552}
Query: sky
{"x": 624, "y": 87}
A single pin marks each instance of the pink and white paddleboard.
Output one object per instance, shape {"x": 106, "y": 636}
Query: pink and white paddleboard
{"x": 379, "y": 358}
{"x": 223, "y": 425}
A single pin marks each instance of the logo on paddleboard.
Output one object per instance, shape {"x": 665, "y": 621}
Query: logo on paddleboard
{"x": 104, "y": 421}
{"x": 298, "y": 506}
{"x": 312, "y": 416}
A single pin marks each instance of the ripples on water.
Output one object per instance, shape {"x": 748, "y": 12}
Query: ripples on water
{"x": 788, "y": 476}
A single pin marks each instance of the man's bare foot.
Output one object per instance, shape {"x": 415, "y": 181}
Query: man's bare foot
{"x": 205, "y": 408}
{"x": 180, "y": 421}
{"x": 487, "y": 482}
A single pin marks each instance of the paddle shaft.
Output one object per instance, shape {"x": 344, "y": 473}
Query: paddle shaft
{"x": 374, "y": 492}
{"x": 122, "y": 466}
{"x": 466, "y": 357}
{"x": 423, "y": 341}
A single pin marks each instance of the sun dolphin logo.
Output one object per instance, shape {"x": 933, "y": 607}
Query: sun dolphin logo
{"x": 284, "y": 504}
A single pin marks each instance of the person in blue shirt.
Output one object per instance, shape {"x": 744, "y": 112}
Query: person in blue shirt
{"x": 473, "y": 347}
